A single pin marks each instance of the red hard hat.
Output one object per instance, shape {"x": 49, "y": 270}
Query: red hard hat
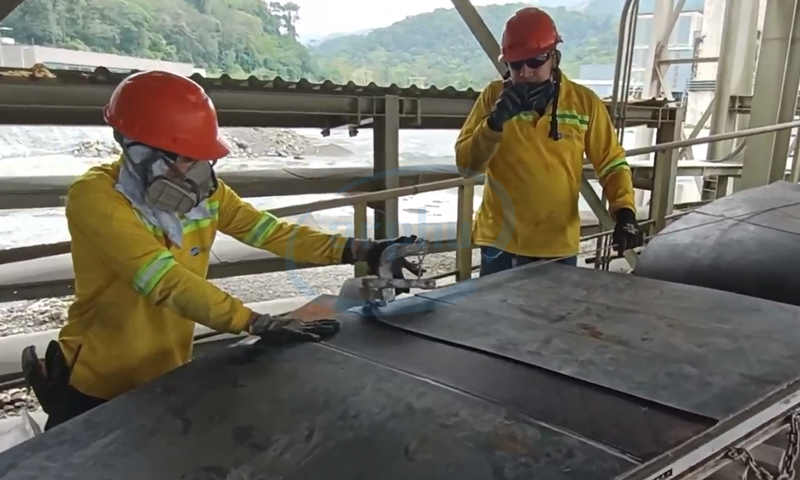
{"x": 529, "y": 33}
{"x": 168, "y": 112}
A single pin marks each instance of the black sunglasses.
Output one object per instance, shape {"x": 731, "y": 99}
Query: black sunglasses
{"x": 534, "y": 62}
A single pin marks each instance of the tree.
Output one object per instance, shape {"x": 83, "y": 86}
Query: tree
{"x": 237, "y": 37}
{"x": 439, "y": 46}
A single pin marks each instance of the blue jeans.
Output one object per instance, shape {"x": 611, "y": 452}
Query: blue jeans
{"x": 494, "y": 260}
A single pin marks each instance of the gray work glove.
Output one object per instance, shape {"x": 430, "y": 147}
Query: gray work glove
{"x": 285, "y": 328}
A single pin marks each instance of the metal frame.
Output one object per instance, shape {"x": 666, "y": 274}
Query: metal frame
{"x": 708, "y": 452}
{"x": 70, "y": 98}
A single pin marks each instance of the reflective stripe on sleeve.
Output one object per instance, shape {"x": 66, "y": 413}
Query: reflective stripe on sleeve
{"x": 152, "y": 272}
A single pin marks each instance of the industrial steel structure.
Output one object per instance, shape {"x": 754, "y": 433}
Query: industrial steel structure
{"x": 571, "y": 367}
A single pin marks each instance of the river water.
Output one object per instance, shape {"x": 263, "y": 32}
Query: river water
{"x": 34, "y": 151}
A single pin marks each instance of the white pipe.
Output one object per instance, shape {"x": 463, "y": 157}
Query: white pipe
{"x": 713, "y": 138}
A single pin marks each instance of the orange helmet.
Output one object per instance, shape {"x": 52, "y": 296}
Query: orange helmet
{"x": 529, "y": 33}
{"x": 168, "y": 112}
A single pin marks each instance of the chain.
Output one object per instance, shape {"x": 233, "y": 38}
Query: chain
{"x": 420, "y": 259}
{"x": 786, "y": 467}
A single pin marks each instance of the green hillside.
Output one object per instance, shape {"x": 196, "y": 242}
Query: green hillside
{"x": 439, "y": 47}
{"x": 614, "y": 7}
{"x": 244, "y": 37}
{"x": 234, "y": 36}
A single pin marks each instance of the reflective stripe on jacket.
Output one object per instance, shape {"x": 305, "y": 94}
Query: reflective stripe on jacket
{"x": 537, "y": 178}
{"x": 137, "y": 296}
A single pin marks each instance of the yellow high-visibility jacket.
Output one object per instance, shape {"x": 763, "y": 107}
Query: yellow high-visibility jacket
{"x": 537, "y": 178}
{"x": 137, "y": 296}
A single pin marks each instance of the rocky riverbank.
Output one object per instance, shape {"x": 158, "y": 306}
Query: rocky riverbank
{"x": 14, "y": 400}
{"x": 245, "y": 142}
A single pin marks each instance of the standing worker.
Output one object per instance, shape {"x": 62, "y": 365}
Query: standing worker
{"x": 142, "y": 229}
{"x": 528, "y": 134}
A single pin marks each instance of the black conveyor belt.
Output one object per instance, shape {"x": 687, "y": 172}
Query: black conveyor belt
{"x": 540, "y": 372}
{"x": 747, "y": 243}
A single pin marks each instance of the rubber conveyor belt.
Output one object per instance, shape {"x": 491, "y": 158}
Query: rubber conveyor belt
{"x": 381, "y": 402}
{"x": 745, "y": 243}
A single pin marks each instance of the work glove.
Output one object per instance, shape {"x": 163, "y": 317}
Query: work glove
{"x": 519, "y": 97}
{"x": 539, "y": 96}
{"x": 627, "y": 233}
{"x": 285, "y": 328}
{"x": 511, "y": 102}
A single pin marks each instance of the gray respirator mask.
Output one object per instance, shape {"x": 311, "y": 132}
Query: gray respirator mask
{"x": 180, "y": 192}
{"x": 166, "y": 187}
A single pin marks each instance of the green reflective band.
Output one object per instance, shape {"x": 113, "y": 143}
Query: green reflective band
{"x": 192, "y": 225}
{"x": 613, "y": 166}
{"x": 263, "y": 229}
{"x": 571, "y": 117}
{"x": 213, "y": 207}
{"x": 152, "y": 272}
{"x": 198, "y": 223}
{"x": 524, "y": 117}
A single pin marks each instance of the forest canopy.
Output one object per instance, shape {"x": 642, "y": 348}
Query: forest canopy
{"x": 255, "y": 37}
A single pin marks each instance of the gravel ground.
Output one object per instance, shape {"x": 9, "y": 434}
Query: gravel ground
{"x": 14, "y": 400}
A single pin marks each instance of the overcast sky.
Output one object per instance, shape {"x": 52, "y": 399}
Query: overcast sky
{"x": 323, "y": 17}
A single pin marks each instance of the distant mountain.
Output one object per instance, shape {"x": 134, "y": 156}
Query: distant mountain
{"x": 314, "y": 39}
{"x": 614, "y": 7}
{"x": 568, "y": 4}
{"x": 437, "y": 48}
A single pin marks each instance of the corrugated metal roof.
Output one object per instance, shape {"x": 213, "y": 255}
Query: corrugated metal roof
{"x": 102, "y": 75}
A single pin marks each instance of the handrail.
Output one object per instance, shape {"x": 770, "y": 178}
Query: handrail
{"x": 14, "y": 255}
{"x": 39, "y": 251}
{"x": 661, "y": 147}
{"x": 19, "y": 254}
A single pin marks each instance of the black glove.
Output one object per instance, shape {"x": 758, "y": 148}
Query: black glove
{"x": 539, "y": 96}
{"x": 511, "y": 102}
{"x": 627, "y": 234}
{"x": 285, "y": 328}
{"x": 520, "y": 97}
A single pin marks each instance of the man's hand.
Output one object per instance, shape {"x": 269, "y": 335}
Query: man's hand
{"x": 511, "y": 102}
{"x": 285, "y": 328}
{"x": 626, "y": 234}
{"x": 539, "y": 95}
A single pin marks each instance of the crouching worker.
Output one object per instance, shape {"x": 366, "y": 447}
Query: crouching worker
{"x": 142, "y": 230}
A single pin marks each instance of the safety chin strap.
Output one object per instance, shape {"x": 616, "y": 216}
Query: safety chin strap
{"x": 554, "y": 133}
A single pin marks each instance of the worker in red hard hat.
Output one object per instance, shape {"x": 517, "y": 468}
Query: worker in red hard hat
{"x": 142, "y": 229}
{"x": 528, "y": 134}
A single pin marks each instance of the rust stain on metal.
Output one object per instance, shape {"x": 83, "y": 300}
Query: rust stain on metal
{"x": 591, "y": 330}
{"x": 321, "y": 308}
{"x": 505, "y": 438}
{"x": 36, "y": 71}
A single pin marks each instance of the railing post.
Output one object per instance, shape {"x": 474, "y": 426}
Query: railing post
{"x": 386, "y": 150}
{"x": 360, "y": 231}
{"x": 665, "y": 172}
{"x": 466, "y": 196}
